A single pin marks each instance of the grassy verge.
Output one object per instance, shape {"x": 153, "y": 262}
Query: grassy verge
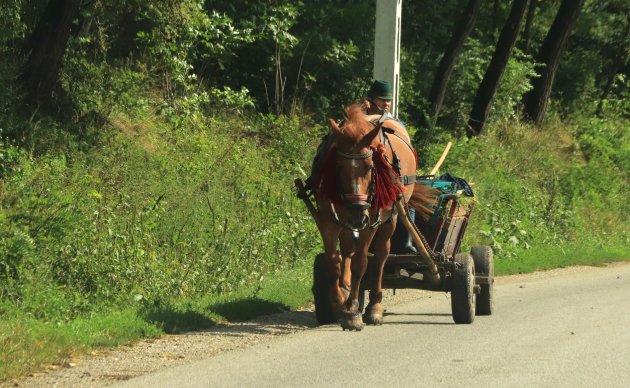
{"x": 156, "y": 228}
{"x": 539, "y": 258}
{"x": 29, "y": 344}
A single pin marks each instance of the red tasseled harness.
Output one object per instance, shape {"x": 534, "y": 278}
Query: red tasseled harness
{"x": 387, "y": 186}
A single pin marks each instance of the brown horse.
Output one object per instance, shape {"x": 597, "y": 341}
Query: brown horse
{"x": 370, "y": 166}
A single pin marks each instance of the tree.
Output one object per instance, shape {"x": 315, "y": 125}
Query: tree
{"x": 45, "y": 50}
{"x": 463, "y": 28}
{"x": 535, "y": 101}
{"x": 619, "y": 60}
{"x": 529, "y": 20}
{"x": 490, "y": 83}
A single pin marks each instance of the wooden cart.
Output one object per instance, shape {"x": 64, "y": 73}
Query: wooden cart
{"x": 439, "y": 264}
{"x": 468, "y": 276}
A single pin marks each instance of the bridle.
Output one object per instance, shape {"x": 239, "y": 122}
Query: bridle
{"x": 369, "y": 198}
{"x": 355, "y": 197}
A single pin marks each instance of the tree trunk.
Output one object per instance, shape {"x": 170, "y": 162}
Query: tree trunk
{"x": 463, "y": 28}
{"x": 496, "y": 10}
{"x": 490, "y": 83}
{"x": 535, "y": 101}
{"x": 529, "y": 20}
{"x": 620, "y": 60}
{"x": 45, "y": 50}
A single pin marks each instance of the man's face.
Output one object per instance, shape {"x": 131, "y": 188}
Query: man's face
{"x": 384, "y": 105}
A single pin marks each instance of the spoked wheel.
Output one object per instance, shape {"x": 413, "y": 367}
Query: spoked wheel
{"x": 484, "y": 268}
{"x": 462, "y": 294}
{"x": 324, "y": 311}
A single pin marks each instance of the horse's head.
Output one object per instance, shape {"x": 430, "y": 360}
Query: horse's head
{"x": 355, "y": 166}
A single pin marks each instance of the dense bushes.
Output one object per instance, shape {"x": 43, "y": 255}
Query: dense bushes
{"x": 544, "y": 188}
{"x": 159, "y": 182}
{"x": 154, "y": 214}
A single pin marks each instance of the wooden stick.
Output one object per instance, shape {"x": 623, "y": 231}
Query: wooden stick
{"x": 439, "y": 163}
{"x": 299, "y": 185}
{"x": 424, "y": 252}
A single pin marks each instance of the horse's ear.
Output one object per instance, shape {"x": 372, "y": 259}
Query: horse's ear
{"x": 334, "y": 126}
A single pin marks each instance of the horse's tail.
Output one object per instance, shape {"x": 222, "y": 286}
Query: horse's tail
{"x": 424, "y": 200}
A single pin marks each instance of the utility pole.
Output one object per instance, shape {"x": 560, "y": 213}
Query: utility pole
{"x": 387, "y": 45}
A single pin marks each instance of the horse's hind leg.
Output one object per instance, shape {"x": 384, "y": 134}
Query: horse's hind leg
{"x": 380, "y": 246}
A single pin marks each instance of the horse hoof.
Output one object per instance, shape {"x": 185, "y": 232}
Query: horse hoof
{"x": 351, "y": 326}
{"x": 351, "y": 318}
{"x": 374, "y": 319}
{"x": 352, "y": 323}
{"x": 373, "y": 315}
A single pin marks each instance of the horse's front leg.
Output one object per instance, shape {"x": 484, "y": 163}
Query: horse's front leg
{"x": 332, "y": 267}
{"x": 346, "y": 248}
{"x": 380, "y": 246}
{"x": 351, "y": 318}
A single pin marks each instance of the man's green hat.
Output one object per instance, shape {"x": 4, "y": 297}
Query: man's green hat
{"x": 381, "y": 89}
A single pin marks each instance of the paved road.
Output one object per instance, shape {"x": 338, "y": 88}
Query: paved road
{"x": 563, "y": 328}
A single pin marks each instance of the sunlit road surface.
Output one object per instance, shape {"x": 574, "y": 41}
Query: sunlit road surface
{"x": 566, "y": 328}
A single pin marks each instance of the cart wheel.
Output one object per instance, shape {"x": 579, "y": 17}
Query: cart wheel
{"x": 462, "y": 294}
{"x": 484, "y": 266}
{"x": 324, "y": 311}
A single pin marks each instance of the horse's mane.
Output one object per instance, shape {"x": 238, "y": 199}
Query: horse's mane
{"x": 356, "y": 125}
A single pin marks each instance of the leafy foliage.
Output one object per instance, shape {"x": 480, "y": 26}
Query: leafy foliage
{"x": 170, "y": 179}
{"x": 538, "y": 190}
{"x": 208, "y": 223}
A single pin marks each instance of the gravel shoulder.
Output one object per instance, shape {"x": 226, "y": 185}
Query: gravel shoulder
{"x": 103, "y": 368}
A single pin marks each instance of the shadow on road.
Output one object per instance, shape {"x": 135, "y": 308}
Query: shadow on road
{"x": 249, "y": 315}
{"x": 173, "y": 320}
{"x": 430, "y": 323}
{"x": 420, "y": 314}
{"x": 417, "y": 322}
{"x": 245, "y": 309}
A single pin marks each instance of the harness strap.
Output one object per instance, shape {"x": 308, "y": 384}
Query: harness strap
{"x": 407, "y": 179}
{"x": 393, "y": 132}
{"x": 381, "y": 121}
{"x": 400, "y": 137}
{"x": 395, "y": 163}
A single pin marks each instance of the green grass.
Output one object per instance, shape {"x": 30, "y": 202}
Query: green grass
{"x": 550, "y": 257}
{"x": 156, "y": 229}
{"x": 29, "y": 344}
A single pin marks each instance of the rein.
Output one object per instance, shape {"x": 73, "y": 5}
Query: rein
{"x": 373, "y": 225}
